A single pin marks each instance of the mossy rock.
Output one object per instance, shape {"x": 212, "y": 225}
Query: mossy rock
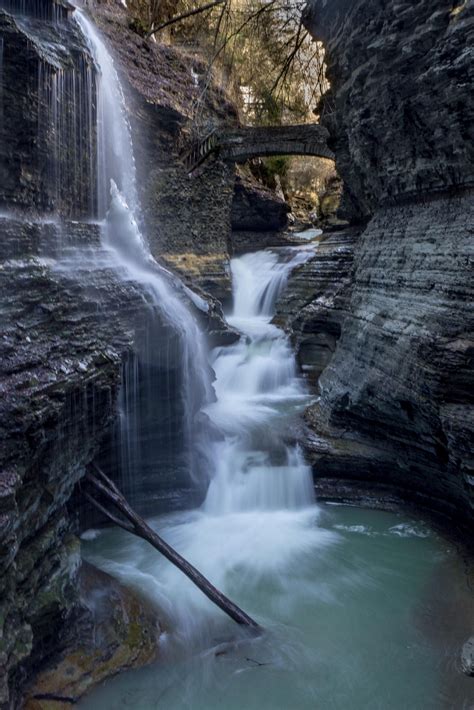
{"x": 122, "y": 634}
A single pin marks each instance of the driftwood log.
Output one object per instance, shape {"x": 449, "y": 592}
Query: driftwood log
{"x": 137, "y": 526}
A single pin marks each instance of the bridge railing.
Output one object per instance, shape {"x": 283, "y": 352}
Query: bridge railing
{"x": 200, "y": 151}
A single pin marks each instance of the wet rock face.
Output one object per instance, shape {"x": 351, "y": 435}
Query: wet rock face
{"x": 114, "y": 632}
{"x": 65, "y": 329}
{"x": 60, "y": 361}
{"x": 48, "y": 80}
{"x": 258, "y": 217}
{"x": 69, "y": 328}
{"x": 395, "y": 402}
{"x": 400, "y": 109}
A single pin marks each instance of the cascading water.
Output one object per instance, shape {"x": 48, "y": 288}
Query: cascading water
{"x": 260, "y": 494}
{"x": 336, "y": 590}
{"x": 258, "y": 516}
{"x": 257, "y": 389}
{"x": 142, "y": 391}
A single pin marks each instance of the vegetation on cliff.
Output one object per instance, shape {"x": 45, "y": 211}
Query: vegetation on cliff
{"x": 273, "y": 68}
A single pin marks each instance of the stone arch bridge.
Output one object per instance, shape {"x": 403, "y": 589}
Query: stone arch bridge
{"x": 245, "y": 142}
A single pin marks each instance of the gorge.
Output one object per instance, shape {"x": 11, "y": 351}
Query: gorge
{"x": 343, "y": 364}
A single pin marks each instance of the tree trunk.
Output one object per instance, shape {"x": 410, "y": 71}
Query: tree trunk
{"x": 139, "y": 527}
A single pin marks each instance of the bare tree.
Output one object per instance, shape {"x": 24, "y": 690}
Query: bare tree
{"x": 260, "y": 48}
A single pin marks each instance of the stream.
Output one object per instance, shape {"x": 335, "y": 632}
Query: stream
{"x": 353, "y": 603}
{"x": 362, "y": 609}
{"x": 356, "y": 605}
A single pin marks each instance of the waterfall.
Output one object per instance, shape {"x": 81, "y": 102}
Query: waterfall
{"x": 258, "y": 514}
{"x": 258, "y": 520}
{"x": 67, "y": 134}
{"x": 257, "y": 389}
{"x": 146, "y": 398}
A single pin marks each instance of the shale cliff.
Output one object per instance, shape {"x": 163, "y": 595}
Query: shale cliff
{"x": 395, "y": 405}
{"x": 71, "y": 328}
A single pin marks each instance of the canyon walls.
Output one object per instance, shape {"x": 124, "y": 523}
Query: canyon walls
{"x": 395, "y": 405}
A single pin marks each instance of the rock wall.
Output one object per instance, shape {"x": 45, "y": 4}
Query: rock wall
{"x": 65, "y": 329}
{"x": 399, "y": 110}
{"x": 316, "y": 301}
{"x": 395, "y": 402}
{"x": 259, "y": 216}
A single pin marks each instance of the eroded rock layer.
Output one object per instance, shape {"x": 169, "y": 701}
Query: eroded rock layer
{"x": 316, "y": 301}
{"x": 395, "y": 400}
{"x": 70, "y": 326}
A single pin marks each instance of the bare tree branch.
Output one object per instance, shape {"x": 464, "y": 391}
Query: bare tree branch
{"x": 136, "y": 525}
{"x": 184, "y": 16}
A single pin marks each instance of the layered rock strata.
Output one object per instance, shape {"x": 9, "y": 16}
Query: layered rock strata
{"x": 395, "y": 403}
{"x": 69, "y": 327}
{"x": 316, "y": 301}
{"x": 60, "y": 373}
{"x": 400, "y": 107}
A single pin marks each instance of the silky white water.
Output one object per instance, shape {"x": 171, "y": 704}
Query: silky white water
{"x": 258, "y": 390}
{"x": 258, "y": 519}
{"x": 118, "y": 207}
{"x": 258, "y": 516}
{"x": 256, "y": 380}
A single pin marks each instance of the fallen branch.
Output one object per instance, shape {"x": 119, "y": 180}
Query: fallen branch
{"x": 137, "y": 526}
{"x": 184, "y": 16}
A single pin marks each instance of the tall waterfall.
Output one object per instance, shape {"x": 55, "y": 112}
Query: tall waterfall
{"x": 258, "y": 513}
{"x": 142, "y": 393}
